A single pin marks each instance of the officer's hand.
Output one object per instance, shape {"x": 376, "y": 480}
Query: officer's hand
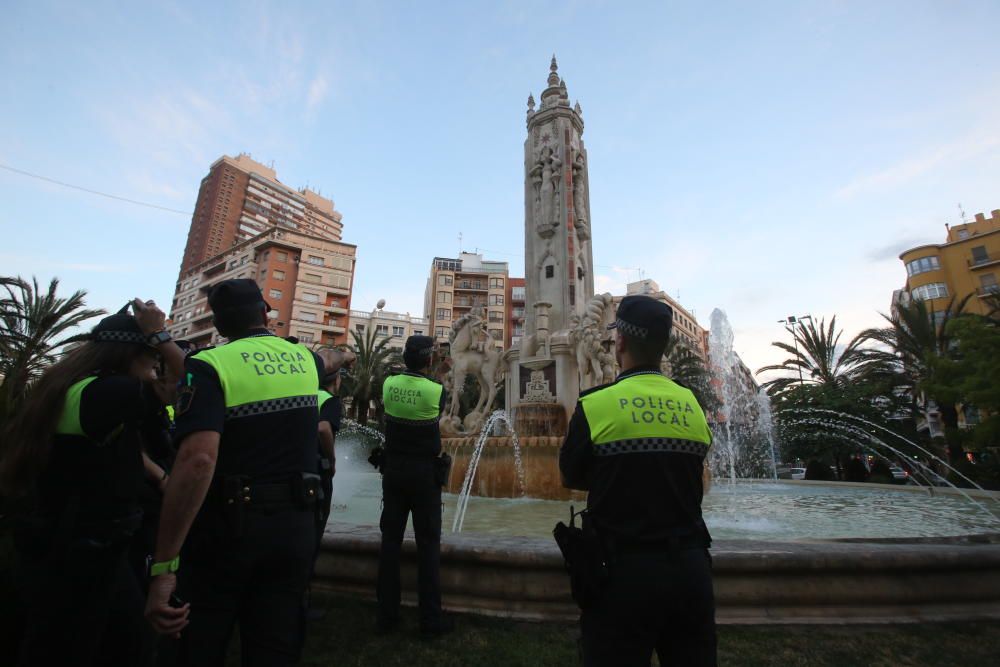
{"x": 148, "y": 316}
{"x": 165, "y": 619}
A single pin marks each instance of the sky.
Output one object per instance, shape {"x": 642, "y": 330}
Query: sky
{"x": 765, "y": 158}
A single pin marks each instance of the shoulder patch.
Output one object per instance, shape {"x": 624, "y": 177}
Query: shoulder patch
{"x": 184, "y": 397}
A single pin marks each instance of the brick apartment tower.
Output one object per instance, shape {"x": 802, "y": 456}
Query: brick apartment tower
{"x": 247, "y": 224}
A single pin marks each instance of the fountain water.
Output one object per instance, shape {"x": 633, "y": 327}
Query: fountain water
{"x": 741, "y": 445}
{"x": 496, "y": 418}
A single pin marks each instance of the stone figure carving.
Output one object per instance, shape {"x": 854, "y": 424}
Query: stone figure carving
{"x": 581, "y": 221}
{"x": 472, "y": 355}
{"x": 588, "y": 335}
{"x": 537, "y": 389}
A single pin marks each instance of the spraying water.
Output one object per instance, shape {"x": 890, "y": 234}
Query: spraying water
{"x": 494, "y": 420}
{"x": 742, "y": 445}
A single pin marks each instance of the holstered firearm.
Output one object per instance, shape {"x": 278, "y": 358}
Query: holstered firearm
{"x": 442, "y": 469}
{"x": 585, "y": 557}
{"x": 377, "y": 458}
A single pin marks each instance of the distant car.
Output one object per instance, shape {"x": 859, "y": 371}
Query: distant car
{"x": 899, "y": 474}
{"x": 797, "y": 473}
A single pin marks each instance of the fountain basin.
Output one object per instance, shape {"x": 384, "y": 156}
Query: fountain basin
{"x": 496, "y": 476}
{"x": 755, "y": 582}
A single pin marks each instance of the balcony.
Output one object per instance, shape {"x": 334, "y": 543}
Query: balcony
{"x": 471, "y": 286}
{"x": 990, "y": 291}
{"x": 990, "y": 259}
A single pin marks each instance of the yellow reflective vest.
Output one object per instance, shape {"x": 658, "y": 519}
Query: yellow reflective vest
{"x": 645, "y": 412}
{"x": 411, "y": 399}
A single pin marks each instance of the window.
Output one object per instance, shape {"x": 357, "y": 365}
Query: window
{"x": 979, "y": 255}
{"x": 444, "y": 297}
{"x": 278, "y": 275}
{"x": 963, "y": 234}
{"x": 309, "y": 297}
{"x": 382, "y": 329}
{"x": 497, "y": 334}
{"x": 306, "y": 316}
{"x": 282, "y": 257}
{"x": 314, "y": 278}
{"x": 305, "y": 337}
{"x": 923, "y": 264}
{"x": 496, "y": 316}
{"x": 397, "y": 331}
{"x": 496, "y": 283}
{"x": 418, "y": 332}
{"x": 313, "y": 259}
{"x": 360, "y": 328}
{"x": 444, "y": 280}
{"x": 930, "y": 291}
{"x": 444, "y": 313}
{"x": 550, "y": 271}
{"x": 440, "y": 332}
{"x": 496, "y": 299}
{"x": 988, "y": 283}
{"x": 275, "y": 294}
{"x": 517, "y": 293}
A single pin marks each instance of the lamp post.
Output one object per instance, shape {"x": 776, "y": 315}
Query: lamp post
{"x": 793, "y": 320}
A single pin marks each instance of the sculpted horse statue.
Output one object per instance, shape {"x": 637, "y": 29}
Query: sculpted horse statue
{"x": 472, "y": 355}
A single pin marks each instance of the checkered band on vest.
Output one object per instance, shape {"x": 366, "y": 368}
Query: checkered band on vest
{"x": 119, "y": 337}
{"x": 648, "y": 445}
{"x": 411, "y": 422}
{"x": 273, "y": 405}
{"x": 630, "y": 329}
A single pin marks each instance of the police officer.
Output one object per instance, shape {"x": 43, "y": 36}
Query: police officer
{"x": 412, "y": 476}
{"x": 73, "y": 456}
{"x": 637, "y": 445}
{"x": 244, "y": 484}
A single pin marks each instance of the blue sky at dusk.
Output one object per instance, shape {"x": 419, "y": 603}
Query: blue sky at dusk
{"x": 765, "y": 158}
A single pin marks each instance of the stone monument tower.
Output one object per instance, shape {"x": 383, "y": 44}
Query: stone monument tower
{"x": 558, "y": 260}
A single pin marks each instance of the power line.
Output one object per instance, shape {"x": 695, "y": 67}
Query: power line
{"x": 93, "y": 192}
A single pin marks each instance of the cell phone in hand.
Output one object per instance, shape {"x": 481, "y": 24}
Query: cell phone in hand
{"x": 175, "y": 601}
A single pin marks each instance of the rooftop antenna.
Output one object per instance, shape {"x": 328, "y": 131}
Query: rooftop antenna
{"x": 460, "y": 243}
{"x": 961, "y": 213}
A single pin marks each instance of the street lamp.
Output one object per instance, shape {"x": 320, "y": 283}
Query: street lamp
{"x": 793, "y": 320}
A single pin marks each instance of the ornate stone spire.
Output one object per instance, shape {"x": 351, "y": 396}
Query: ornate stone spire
{"x": 577, "y": 108}
{"x": 553, "y": 72}
{"x": 531, "y": 102}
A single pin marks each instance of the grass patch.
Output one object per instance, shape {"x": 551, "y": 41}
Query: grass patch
{"x": 345, "y": 637}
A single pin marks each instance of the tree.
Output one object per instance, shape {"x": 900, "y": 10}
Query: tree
{"x": 374, "y": 361}
{"x": 32, "y": 328}
{"x": 916, "y": 339}
{"x": 817, "y": 357}
{"x": 682, "y": 365}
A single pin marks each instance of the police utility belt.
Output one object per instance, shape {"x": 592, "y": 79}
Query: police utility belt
{"x": 298, "y": 491}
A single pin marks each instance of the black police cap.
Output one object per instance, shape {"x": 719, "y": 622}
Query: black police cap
{"x": 118, "y": 328}
{"x": 235, "y": 293}
{"x": 644, "y": 317}
{"x": 420, "y": 345}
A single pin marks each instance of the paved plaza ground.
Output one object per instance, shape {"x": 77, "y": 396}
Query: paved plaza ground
{"x": 345, "y": 637}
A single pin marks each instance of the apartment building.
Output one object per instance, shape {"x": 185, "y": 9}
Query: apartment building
{"x": 395, "y": 326}
{"x": 457, "y": 285}
{"x": 686, "y": 327}
{"x": 968, "y": 262}
{"x": 515, "y": 310}
{"x": 306, "y": 281}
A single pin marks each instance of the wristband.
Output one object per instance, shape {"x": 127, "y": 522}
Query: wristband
{"x": 164, "y": 567}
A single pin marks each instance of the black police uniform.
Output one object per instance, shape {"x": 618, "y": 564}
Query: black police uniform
{"x": 411, "y": 483}
{"x": 84, "y": 601}
{"x": 249, "y": 555}
{"x": 330, "y": 411}
{"x": 644, "y": 501}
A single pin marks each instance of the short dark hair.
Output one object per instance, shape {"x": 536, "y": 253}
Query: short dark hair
{"x": 415, "y": 361}
{"x": 235, "y": 321}
{"x": 644, "y": 351}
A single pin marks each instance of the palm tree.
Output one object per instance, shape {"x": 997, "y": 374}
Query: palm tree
{"x": 374, "y": 361}
{"x": 682, "y": 365}
{"x": 817, "y": 359}
{"x": 31, "y": 321}
{"x": 911, "y": 345}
